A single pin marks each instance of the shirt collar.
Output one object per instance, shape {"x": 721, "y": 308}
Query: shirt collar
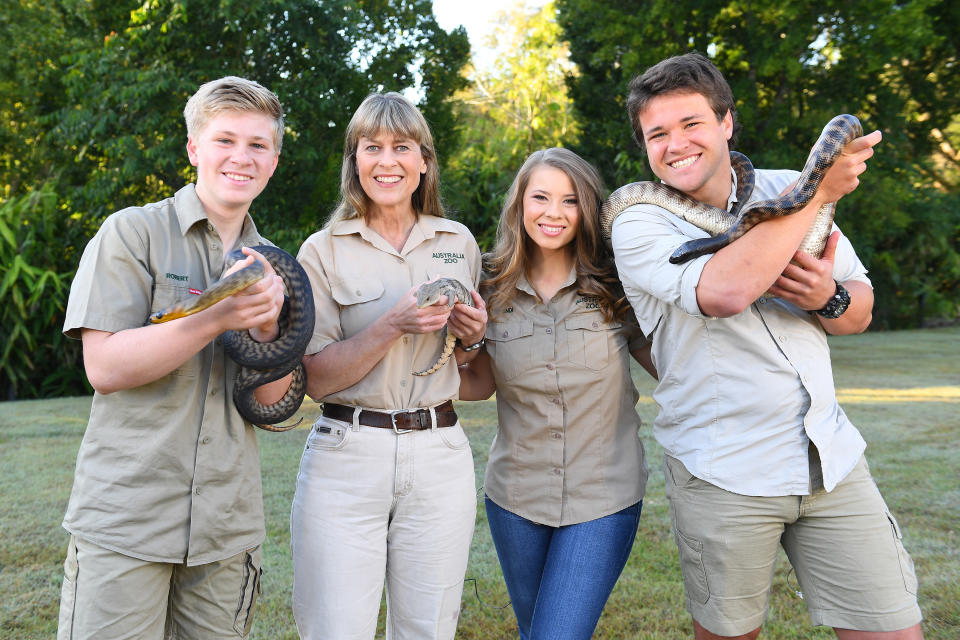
{"x": 190, "y": 211}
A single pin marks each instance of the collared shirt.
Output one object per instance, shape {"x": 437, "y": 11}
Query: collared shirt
{"x": 357, "y": 276}
{"x": 167, "y": 471}
{"x": 739, "y": 397}
{"x": 567, "y": 448}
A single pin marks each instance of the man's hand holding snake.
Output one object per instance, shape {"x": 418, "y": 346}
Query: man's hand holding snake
{"x": 257, "y": 307}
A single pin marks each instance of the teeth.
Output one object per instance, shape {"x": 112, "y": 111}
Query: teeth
{"x": 237, "y": 176}
{"x": 686, "y": 162}
{"x": 387, "y": 179}
{"x": 547, "y": 229}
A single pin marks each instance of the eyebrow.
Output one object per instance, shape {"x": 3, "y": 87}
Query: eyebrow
{"x": 694, "y": 116}
{"x": 228, "y": 132}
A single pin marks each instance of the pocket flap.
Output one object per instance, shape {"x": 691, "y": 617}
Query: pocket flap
{"x": 356, "y": 290}
{"x": 505, "y": 331}
{"x": 590, "y": 321}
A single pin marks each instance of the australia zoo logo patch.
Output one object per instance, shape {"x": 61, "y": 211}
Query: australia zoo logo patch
{"x": 448, "y": 257}
{"x": 589, "y": 302}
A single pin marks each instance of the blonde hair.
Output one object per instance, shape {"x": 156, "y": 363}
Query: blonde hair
{"x": 392, "y": 113}
{"x": 510, "y": 258}
{"x": 231, "y": 93}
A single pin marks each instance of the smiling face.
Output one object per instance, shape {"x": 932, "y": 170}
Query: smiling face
{"x": 551, "y": 212}
{"x": 687, "y": 146}
{"x": 389, "y": 168}
{"x": 235, "y": 155}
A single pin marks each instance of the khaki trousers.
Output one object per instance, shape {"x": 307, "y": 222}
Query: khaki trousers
{"x": 375, "y": 507}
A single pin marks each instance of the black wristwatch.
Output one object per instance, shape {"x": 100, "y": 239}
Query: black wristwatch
{"x": 837, "y": 303}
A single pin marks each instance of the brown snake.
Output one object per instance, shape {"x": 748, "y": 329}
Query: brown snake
{"x": 725, "y": 227}
{"x": 262, "y": 362}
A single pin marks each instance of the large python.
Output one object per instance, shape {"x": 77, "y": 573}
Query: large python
{"x": 725, "y": 227}
{"x": 264, "y": 362}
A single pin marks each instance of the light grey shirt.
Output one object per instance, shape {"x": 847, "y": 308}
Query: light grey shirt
{"x": 740, "y": 397}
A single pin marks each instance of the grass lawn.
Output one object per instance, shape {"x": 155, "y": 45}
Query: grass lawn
{"x": 902, "y": 389}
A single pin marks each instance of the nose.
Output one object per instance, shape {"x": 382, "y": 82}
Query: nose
{"x": 240, "y": 155}
{"x": 387, "y": 158}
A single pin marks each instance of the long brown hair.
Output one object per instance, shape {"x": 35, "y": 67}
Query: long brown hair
{"x": 380, "y": 113}
{"x": 510, "y": 258}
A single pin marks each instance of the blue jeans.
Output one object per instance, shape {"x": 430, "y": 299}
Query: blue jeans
{"x": 559, "y": 578}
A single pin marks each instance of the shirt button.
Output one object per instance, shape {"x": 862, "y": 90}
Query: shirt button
{"x": 549, "y": 366}
{"x": 595, "y": 325}
{"x": 358, "y": 292}
{"x": 549, "y": 330}
{"x": 506, "y": 334}
{"x": 558, "y": 472}
{"x": 556, "y": 401}
{"x": 196, "y": 491}
{"x": 205, "y": 440}
{"x": 556, "y": 436}
{"x": 213, "y": 392}
{"x": 783, "y": 338}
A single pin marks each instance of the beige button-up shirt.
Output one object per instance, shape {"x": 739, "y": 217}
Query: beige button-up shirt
{"x": 168, "y": 471}
{"x": 357, "y": 276}
{"x": 567, "y": 448}
{"x": 740, "y": 397}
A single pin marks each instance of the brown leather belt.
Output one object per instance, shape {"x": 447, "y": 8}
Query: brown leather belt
{"x": 400, "y": 421}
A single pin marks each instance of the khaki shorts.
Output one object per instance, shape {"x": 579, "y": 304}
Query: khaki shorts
{"x": 845, "y": 548}
{"x": 110, "y": 595}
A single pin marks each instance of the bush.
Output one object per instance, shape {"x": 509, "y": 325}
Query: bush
{"x": 39, "y": 244}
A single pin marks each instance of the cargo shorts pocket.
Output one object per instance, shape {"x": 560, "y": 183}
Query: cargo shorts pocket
{"x": 691, "y": 566}
{"x": 906, "y": 564}
{"x": 68, "y": 593}
{"x": 250, "y": 590}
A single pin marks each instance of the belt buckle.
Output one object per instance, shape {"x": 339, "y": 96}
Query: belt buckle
{"x": 393, "y": 423}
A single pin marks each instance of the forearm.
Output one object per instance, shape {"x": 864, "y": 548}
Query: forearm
{"x": 476, "y": 378}
{"x": 344, "y": 363}
{"x": 742, "y": 271}
{"x": 858, "y": 315}
{"x": 135, "y": 357}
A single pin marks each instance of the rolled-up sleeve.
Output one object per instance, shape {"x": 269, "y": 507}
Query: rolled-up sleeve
{"x": 643, "y": 239}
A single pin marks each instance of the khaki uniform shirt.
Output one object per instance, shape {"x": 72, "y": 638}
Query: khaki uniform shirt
{"x": 168, "y": 471}
{"x": 567, "y": 448}
{"x": 357, "y": 276}
{"x": 740, "y": 397}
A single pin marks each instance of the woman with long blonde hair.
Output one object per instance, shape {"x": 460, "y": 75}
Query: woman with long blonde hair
{"x": 385, "y": 493}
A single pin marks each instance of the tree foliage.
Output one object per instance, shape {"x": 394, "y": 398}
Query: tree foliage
{"x": 792, "y": 66}
{"x": 92, "y": 95}
{"x": 510, "y": 110}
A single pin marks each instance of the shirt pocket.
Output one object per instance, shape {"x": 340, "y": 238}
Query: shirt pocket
{"x": 588, "y": 338}
{"x": 510, "y": 345}
{"x": 167, "y": 295}
{"x": 356, "y": 290}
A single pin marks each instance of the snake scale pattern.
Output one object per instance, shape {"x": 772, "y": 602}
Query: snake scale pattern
{"x": 265, "y": 362}
{"x": 725, "y": 227}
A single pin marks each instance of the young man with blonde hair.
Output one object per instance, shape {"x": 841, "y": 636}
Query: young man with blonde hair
{"x": 166, "y": 514}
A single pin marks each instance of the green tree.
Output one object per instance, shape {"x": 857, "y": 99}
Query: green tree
{"x": 122, "y": 128}
{"x": 92, "y": 94}
{"x": 509, "y": 111}
{"x": 792, "y": 66}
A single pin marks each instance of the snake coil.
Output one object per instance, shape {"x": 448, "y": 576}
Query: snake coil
{"x": 262, "y": 362}
{"x": 725, "y": 227}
